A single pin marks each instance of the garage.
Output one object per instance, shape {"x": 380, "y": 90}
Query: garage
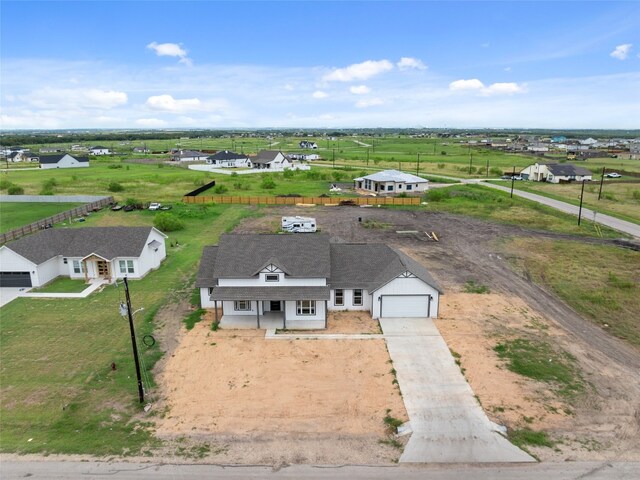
{"x": 405, "y": 306}
{"x": 15, "y": 279}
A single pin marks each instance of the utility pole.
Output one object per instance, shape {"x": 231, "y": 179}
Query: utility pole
{"x": 580, "y": 209}
{"x": 513, "y": 179}
{"x": 601, "y": 182}
{"x": 367, "y": 157}
{"x": 487, "y": 168}
{"x": 434, "y": 145}
{"x": 418, "y": 166}
{"x": 133, "y": 342}
{"x": 470, "y": 162}
{"x": 334, "y": 158}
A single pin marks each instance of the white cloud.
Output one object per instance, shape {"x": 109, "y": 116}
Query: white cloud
{"x": 360, "y": 90}
{"x": 169, "y": 104}
{"x": 359, "y": 71}
{"x": 320, "y": 94}
{"x": 170, "y": 50}
{"x": 507, "y": 69}
{"x": 621, "y": 52}
{"x": 499, "y": 88}
{"x": 288, "y": 87}
{"x": 408, "y": 63}
{"x": 151, "y": 122}
{"x": 49, "y": 97}
{"x": 104, "y": 98}
{"x": 473, "y": 84}
{"x": 369, "y": 102}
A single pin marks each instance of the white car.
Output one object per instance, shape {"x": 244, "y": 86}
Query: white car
{"x": 155, "y": 206}
{"x": 613, "y": 175}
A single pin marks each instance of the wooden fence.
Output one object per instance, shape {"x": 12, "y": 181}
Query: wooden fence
{"x": 251, "y": 200}
{"x": 58, "y": 217}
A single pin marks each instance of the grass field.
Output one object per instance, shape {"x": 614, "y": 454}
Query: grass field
{"x": 620, "y": 200}
{"x": 59, "y": 393}
{"x": 62, "y": 285}
{"x": 600, "y": 282}
{"x": 17, "y": 214}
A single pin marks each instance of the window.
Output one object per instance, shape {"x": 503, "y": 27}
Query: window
{"x": 339, "y": 297}
{"x": 126, "y": 266}
{"x": 65, "y": 261}
{"x": 272, "y": 277}
{"x": 409, "y": 187}
{"x": 242, "y": 305}
{"x": 399, "y": 186}
{"x": 306, "y": 307}
{"x": 210, "y": 290}
{"x": 77, "y": 267}
{"x": 390, "y": 187}
{"x": 357, "y": 297}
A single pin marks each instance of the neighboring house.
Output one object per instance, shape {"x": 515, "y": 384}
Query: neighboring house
{"x": 99, "y": 150}
{"x": 81, "y": 253}
{"x": 228, "y": 159}
{"x": 538, "y": 147}
{"x": 141, "y": 150}
{"x": 78, "y": 148}
{"x": 589, "y": 141}
{"x": 31, "y": 157}
{"x": 51, "y": 150}
{"x": 297, "y": 279}
{"x": 15, "y": 157}
{"x": 391, "y": 181}
{"x": 63, "y": 160}
{"x": 188, "y": 156}
{"x": 271, "y": 159}
{"x": 303, "y": 156}
{"x": 555, "y": 173}
{"x": 305, "y": 144}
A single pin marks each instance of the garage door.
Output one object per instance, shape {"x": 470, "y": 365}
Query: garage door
{"x": 405, "y": 306}
{"x": 15, "y": 279}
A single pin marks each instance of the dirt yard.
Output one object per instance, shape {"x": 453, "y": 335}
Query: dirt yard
{"x": 273, "y": 401}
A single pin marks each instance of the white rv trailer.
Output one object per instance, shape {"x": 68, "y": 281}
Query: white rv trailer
{"x": 298, "y": 224}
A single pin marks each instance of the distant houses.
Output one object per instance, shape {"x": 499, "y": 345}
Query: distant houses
{"x": 188, "y": 156}
{"x": 391, "y": 182}
{"x": 99, "y": 150}
{"x": 556, "y": 173}
{"x": 63, "y": 161}
{"x": 306, "y": 144}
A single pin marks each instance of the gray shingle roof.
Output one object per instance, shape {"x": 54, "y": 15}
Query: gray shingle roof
{"x": 266, "y": 156}
{"x": 226, "y": 155}
{"x": 205, "y": 276}
{"x": 57, "y": 158}
{"x": 567, "y": 170}
{"x": 108, "y": 242}
{"x": 270, "y": 293}
{"x": 302, "y": 256}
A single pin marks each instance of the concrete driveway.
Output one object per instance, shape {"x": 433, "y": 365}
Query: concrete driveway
{"x": 8, "y": 294}
{"x": 449, "y": 426}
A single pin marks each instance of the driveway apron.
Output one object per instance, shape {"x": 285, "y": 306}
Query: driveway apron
{"x": 448, "y": 424}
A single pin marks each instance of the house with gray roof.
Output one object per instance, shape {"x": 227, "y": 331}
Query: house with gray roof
{"x": 556, "y": 173}
{"x": 295, "y": 280}
{"x": 64, "y": 160}
{"x": 228, "y": 159}
{"x": 81, "y": 253}
{"x": 271, "y": 159}
{"x": 391, "y": 181}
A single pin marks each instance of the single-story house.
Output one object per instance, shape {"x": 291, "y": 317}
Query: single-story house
{"x": 81, "y": 253}
{"x": 228, "y": 159}
{"x": 297, "y": 279}
{"x": 188, "y": 156}
{"x": 51, "y": 150}
{"x": 555, "y": 173}
{"x": 141, "y": 150}
{"x": 63, "y": 160}
{"x": 271, "y": 159}
{"x": 99, "y": 150}
{"x": 391, "y": 181}
{"x": 306, "y": 144}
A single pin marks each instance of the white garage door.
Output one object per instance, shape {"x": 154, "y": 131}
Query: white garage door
{"x": 405, "y": 306}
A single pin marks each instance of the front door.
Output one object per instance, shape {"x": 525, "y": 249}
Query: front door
{"x": 274, "y": 305}
{"x": 103, "y": 268}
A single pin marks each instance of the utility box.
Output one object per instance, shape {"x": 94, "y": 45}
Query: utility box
{"x": 299, "y": 224}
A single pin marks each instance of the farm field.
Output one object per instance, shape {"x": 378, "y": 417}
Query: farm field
{"x": 618, "y": 199}
{"x": 17, "y": 214}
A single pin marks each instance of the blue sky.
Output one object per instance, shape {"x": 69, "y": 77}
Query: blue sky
{"x": 319, "y": 64}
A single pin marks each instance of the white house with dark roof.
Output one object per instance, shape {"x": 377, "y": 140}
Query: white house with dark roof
{"x": 391, "y": 181}
{"x": 228, "y": 159}
{"x": 81, "y": 253}
{"x": 271, "y": 159}
{"x": 99, "y": 150}
{"x": 295, "y": 280}
{"x": 188, "y": 156}
{"x": 63, "y": 160}
{"x": 556, "y": 173}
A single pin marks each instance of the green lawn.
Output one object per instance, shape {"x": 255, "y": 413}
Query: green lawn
{"x": 59, "y": 393}
{"x": 17, "y": 214}
{"x": 62, "y": 285}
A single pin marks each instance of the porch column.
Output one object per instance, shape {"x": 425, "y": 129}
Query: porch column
{"x": 215, "y": 306}
{"x": 83, "y": 266}
{"x": 258, "y": 312}
{"x": 285, "y": 314}
{"x": 325, "y": 313}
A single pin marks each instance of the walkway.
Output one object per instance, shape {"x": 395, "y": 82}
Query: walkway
{"x": 448, "y": 424}
{"x": 587, "y": 214}
{"x": 95, "y": 285}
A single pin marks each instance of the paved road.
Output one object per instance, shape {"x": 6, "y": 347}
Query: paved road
{"x": 56, "y": 470}
{"x": 448, "y": 424}
{"x": 587, "y": 215}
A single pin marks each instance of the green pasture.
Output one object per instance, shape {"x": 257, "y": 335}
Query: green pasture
{"x": 17, "y": 214}
{"x": 59, "y": 394}
{"x": 62, "y": 285}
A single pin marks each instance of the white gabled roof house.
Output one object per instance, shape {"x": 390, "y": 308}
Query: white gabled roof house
{"x": 82, "y": 253}
{"x": 391, "y": 181}
{"x": 555, "y": 173}
{"x": 228, "y": 159}
{"x": 294, "y": 280}
{"x": 272, "y": 159}
{"x": 63, "y": 161}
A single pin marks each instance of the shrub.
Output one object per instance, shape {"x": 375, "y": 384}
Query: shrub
{"x": 167, "y": 222}
{"x": 288, "y": 173}
{"x": 443, "y": 152}
{"x": 51, "y": 183}
{"x": 441, "y": 166}
{"x": 313, "y": 175}
{"x": 472, "y": 287}
{"x": 268, "y": 183}
{"x": 133, "y": 202}
{"x": 47, "y": 191}
{"x": 220, "y": 189}
{"x": 436, "y": 195}
{"x": 199, "y": 182}
{"x": 115, "y": 187}
{"x": 4, "y": 184}
{"x": 15, "y": 190}
{"x": 495, "y": 171}
{"x": 114, "y": 166}
{"x": 636, "y": 194}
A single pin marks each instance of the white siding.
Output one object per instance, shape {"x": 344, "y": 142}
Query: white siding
{"x": 405, "y": 286}
{"x": 10, "y": 261}
{"x": 291, "y": 312}
{"x": 348, "y": 301}
{"x": 228, "y": 308}
{"x": 47, "y": 271}
{"x": 205, "y": 301}
{"x": 284, "y": 281}
{"x": 65, "y": 162}
{"x": 150, "y": 259}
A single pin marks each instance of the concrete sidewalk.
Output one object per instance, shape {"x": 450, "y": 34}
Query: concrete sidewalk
{"x": 448, "y": 424}
{"x": 95, "y": 285}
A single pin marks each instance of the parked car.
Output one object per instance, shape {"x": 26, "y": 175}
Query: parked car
{"x": 509, "y": 177}
{"x": 613, "y": 175}
{"x": 155, "y": 206}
